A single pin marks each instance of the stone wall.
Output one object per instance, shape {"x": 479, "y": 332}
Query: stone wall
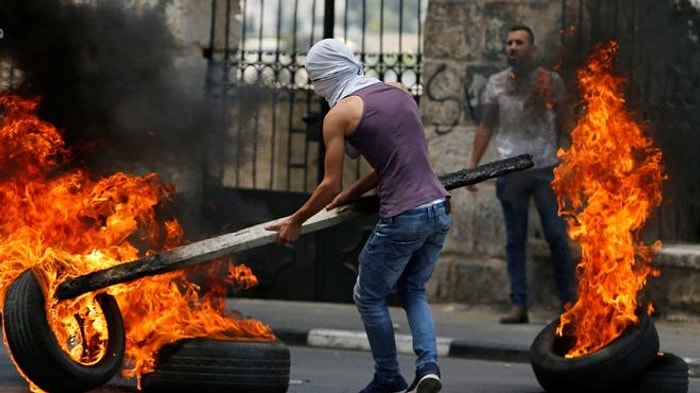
{"x": 464, "y": 44}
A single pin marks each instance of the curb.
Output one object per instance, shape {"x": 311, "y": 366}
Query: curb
{"x": 357, "y": 340}
{"x": 448, "y": 347}
{"x": 693, "y": 367}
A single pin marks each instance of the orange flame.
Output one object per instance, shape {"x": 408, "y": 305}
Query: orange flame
{"x": 66, "y": 222}
{"x": 609, "y": 180}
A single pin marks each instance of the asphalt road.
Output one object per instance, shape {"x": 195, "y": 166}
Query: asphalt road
{"x": 317, "y": 370}
{"x": 341, "y": 371}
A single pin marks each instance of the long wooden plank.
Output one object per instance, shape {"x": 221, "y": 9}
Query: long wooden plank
{"x": 256, "y": 235}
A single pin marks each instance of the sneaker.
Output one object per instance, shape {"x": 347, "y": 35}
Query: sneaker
{"x": 398, "y": 385}
{"x": 427, "y": 379}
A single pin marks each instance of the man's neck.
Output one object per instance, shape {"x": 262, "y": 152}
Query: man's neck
{"x": 524, "y": 71}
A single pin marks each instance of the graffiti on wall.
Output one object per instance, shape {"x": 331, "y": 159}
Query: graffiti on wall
{"x": 474, "y": 85}
{"x": 448, "y": 108}
{"x": 453, "y": 104}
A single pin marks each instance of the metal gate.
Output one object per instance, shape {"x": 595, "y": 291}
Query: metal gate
{"x": 268, "y": 156}
{"x": 270, "y": 134}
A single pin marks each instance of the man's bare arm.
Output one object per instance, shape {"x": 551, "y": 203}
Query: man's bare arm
{"x": 483, "y": 134}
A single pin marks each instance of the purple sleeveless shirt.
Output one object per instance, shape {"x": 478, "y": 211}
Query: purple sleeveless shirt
{"x": 391, "y": 138}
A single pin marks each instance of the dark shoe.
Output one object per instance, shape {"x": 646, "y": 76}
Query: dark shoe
{"x": 517, "y": 314}
{"x": 427, "y": 379}
{"x": 398, "y": 385}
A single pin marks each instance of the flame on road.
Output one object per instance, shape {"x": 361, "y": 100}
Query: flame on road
{"x": 63, "y": 221}
{"x": 608, "y": 183}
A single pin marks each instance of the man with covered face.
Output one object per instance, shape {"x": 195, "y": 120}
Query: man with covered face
{"x": 528, "y": 106}
{"x": 381, "y": 122}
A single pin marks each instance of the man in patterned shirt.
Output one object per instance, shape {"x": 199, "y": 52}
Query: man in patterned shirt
{"x": 528, "y": 106}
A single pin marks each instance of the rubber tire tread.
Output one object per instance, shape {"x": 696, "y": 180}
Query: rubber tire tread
{"x": 610, "y": 369}
{"x": 667, "y": 374}
{"x": 217, "y": 366}
{"x": 36, "y": 351}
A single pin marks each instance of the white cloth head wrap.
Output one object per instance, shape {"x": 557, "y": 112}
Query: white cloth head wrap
{"x": 333, "y": 70}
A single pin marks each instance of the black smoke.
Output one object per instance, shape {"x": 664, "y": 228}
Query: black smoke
{"x": 106, "y": 78}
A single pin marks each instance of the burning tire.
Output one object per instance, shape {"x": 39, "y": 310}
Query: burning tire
{"x": 215, "y": 366}
{"x": 38, "y": 354}
{"x": 668, "y": 373}
{"x": 612, "y": 368}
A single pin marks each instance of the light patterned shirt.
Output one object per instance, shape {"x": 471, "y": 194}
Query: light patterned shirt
{"x": 526, "y": 117}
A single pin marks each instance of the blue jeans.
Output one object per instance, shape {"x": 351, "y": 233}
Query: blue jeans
{"x": 401, "y": 253}
{"x": 515, "y": 191}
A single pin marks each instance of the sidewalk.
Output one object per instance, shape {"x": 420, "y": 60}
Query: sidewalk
{"x": 463, "y": 331}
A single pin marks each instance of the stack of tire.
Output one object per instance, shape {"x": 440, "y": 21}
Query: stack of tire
{"x": 186, "y": 366}
{"x": 216, "y": 366}
{"x": 632, "y": 363}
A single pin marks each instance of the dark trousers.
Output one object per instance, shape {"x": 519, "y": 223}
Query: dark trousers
{"x": 515, "y": 191}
